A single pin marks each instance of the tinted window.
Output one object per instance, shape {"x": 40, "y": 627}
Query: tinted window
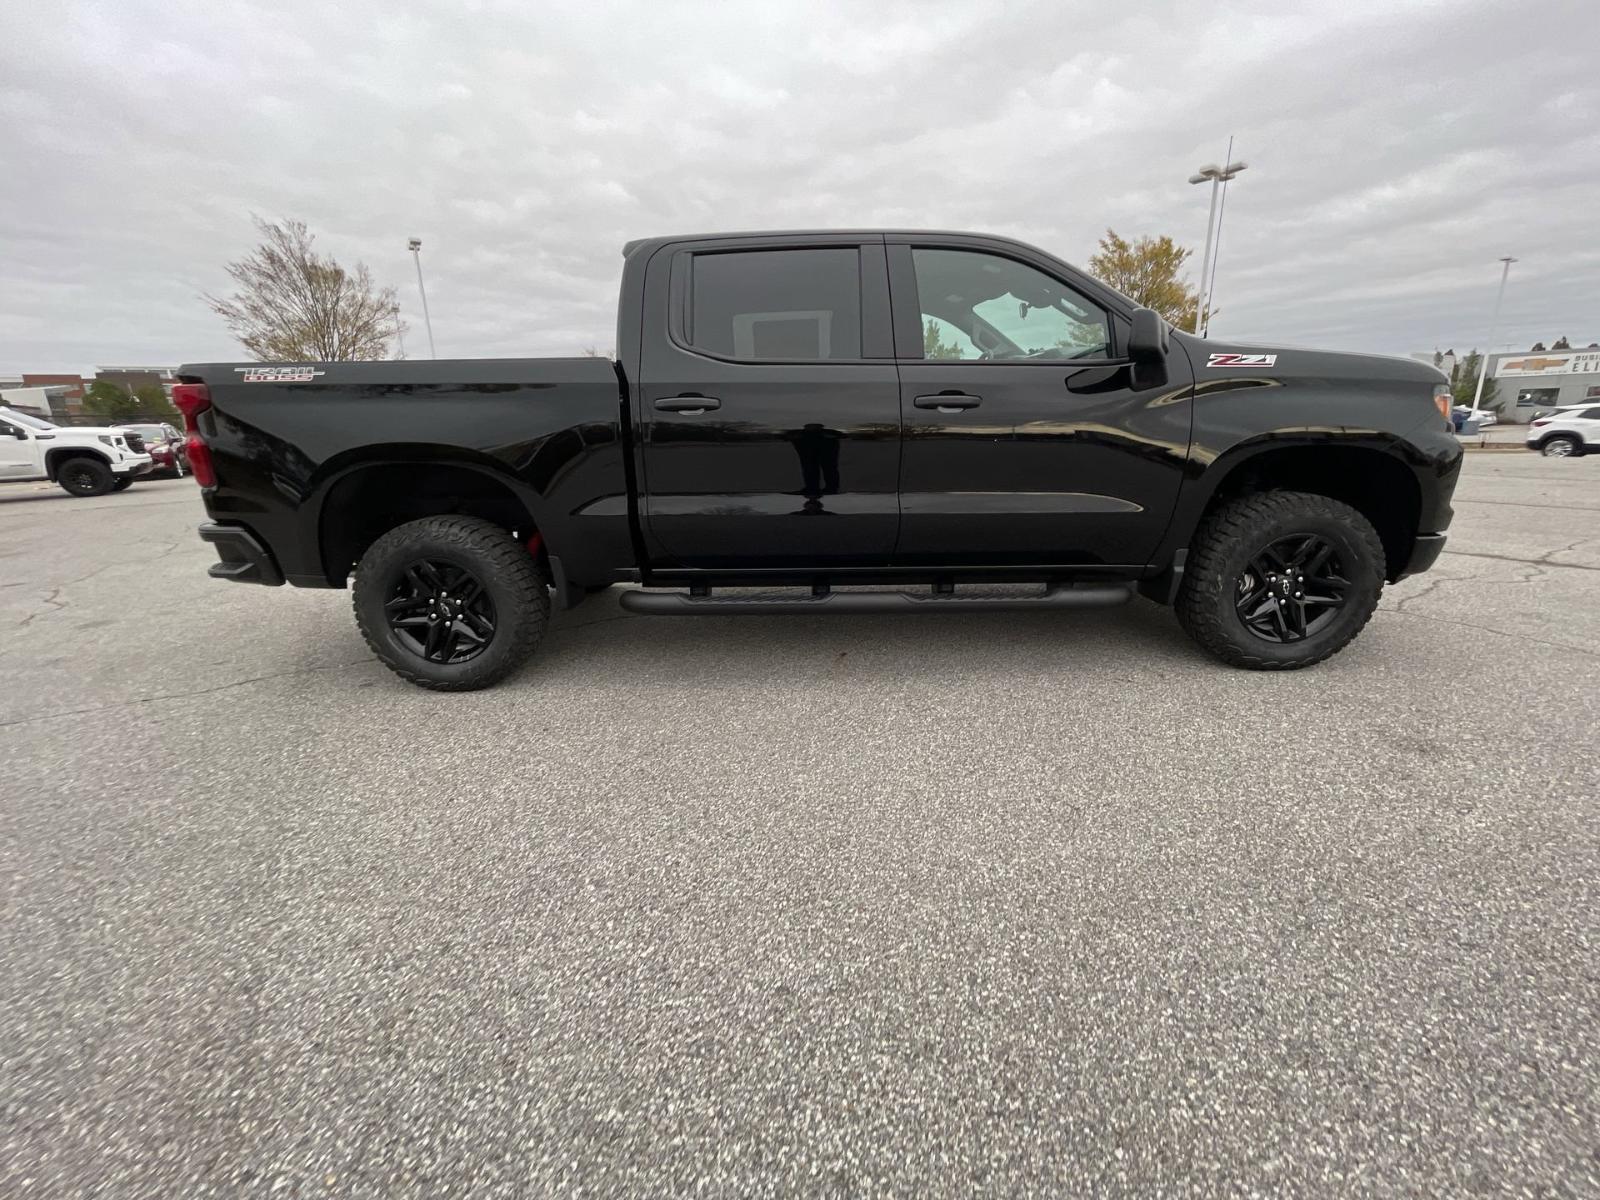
{"x": 1592, "y": 413}
{"x": 977, "y": 305}
{"x": 777, "y": 305}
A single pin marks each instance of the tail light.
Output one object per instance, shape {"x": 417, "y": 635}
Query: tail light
{"x": 1540, "y": 421}
{"x": 192, "y": 399}
{"x": 1441, "y": 401}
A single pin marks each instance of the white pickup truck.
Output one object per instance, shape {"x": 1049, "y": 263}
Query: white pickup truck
{"x": 84, "y": 461}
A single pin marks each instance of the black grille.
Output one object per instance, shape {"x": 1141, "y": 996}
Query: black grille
{"x": 135, "y": 442}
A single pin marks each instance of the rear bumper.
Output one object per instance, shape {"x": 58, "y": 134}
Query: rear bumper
{"x": 243, "y": 558}
{"x": 1425, "y": 551}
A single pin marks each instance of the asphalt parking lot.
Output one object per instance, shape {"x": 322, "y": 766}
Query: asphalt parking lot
{"x": 976, "y": 904}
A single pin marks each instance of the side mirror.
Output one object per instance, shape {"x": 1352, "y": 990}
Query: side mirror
{"x": 20, "y": 434}
{"x": 1147, "y": 349}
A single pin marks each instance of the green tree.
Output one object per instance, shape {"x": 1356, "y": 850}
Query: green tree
{"x": 295, "y": 305}
{"x": 933, "y": 347}
{"x": 153, "y": 403}
{"x": 1464, "y": 384}
{"x": 1146, "y": 272}
{"x": 105, "y": 399}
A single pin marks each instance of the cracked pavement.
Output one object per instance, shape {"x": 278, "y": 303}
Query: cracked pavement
{"x": 996, "y": 904}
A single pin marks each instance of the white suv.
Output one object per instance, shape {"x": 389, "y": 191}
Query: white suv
{"x": 84, "y": 461}
{"x": 1566, "y": 432}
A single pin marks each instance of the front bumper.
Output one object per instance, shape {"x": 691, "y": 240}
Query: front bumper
{"x": 133, "y": 464}
{"x": 243, "y": 558}
{"x": 1425, "y": 551}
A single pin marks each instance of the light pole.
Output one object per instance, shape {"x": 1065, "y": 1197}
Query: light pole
{"x": 1217, "y": 176}
{"x": 1494, "y": 323}
{"x": 415, "y": 246}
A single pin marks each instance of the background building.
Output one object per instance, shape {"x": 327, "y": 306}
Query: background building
{"x": 129, "y": 378}
{"x": 47, "y": 402}
{"x": 1532, "y": 380}
{"x": 71, "y": 386}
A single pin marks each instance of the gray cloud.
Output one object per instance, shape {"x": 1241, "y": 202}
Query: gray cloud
{"x": 1396, "y": 151}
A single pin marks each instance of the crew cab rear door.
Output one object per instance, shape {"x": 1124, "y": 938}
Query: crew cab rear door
{"x": 768, "y": 405}
{"x": 1014, "y": 456}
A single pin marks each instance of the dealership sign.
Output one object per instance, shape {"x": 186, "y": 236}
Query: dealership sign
{"x": 1548, "y": 364}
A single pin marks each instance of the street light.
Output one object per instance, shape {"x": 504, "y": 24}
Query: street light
{"x": 415, "y": 246}
{"x": 1217, "y": 177}
{"x": 1494, "y": 322}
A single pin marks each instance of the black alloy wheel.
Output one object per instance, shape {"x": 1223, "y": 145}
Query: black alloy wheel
{"x": 441, "y": 612}
{"x": 85, "y": 476}
{"x": 1292, "y": 589}
{"x": 1280, "y": 580}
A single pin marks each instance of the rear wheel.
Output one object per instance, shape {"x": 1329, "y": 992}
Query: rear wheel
{"x": 450, "y": 603}
{"x": 85, "y": 476}
{"x": 1561, "y": 446}
{"x": 1280, "y": 580}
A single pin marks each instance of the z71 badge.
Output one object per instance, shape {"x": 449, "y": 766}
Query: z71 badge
{"x": 1241, "y": 360}
{"x": 278, "y": 374}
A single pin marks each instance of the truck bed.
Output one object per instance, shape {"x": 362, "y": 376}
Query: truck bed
{"x": 547, "y": 430}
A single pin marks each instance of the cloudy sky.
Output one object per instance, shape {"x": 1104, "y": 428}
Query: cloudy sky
{"x": 1396, "y": 150}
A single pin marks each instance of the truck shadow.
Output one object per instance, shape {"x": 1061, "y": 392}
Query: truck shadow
{"x": 703, "y": 650}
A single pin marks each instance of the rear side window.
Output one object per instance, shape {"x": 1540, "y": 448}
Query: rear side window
{"x": 1592, "y": 413}
{"x": 776, "y": 305}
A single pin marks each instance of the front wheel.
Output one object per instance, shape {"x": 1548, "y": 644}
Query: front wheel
{"x": 450, "y": 603}
{"x": 1280, "y": 580}
{"x": 123, "y": 483}
{"x": 1561, "y": 446}
{"x": 85, "y": 476}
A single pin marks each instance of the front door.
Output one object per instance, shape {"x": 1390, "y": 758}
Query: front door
{"x": 17, "y": 457}
{"x": 769, "y": 407}
{"x": 1014, "y": 457}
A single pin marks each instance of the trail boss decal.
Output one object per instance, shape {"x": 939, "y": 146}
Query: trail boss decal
{"x": 1242, "y": 360}
{"x": 277, "y": 374}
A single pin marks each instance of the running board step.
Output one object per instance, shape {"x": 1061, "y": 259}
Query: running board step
{"x": 666, "y": 604}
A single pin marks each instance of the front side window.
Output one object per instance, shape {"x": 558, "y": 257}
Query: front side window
{"x": 777, "y": 305}
{"x": 982, "y": 306}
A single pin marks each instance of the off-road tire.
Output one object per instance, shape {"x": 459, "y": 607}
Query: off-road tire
{"x": 508, "y": 573}
{"x": 84, "y": 475}
{"x": 1221, "y": 552}
{"x": 1574, "y": 446}
{"x": 123, "y": 483}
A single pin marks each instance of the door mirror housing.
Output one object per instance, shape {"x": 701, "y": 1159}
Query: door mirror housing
{"x": 1147, "y": 348}
{"x": 20, "y": 434}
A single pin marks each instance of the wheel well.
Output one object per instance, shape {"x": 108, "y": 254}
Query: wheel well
{"x": 54, "y": 458}
{"x": 366, "y": 504}
{"x": 1373, "y": 483}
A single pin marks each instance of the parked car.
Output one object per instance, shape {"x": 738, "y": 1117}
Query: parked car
{"x": 775, "y": 418}
{"x": 83, "y": 460}
{"x": 165, "y": 444}
{"x": 1566, "y": 432}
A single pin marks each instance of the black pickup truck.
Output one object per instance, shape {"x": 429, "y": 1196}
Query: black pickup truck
{"x": 834, "y": 422}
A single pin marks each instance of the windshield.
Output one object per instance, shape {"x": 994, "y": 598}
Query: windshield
{"x": 12, "y": 414}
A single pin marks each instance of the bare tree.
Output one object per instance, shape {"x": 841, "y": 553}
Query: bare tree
{"x": 294, "y": 305}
